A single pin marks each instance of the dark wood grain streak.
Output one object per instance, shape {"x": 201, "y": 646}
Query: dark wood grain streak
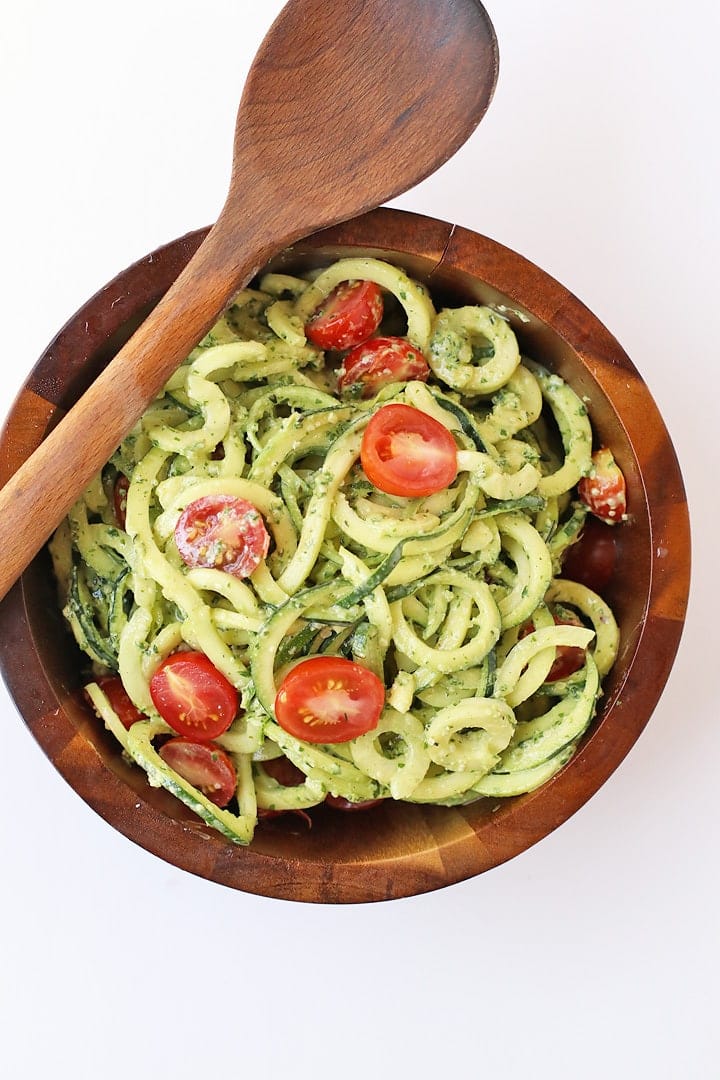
{"x": 395, "y": 850}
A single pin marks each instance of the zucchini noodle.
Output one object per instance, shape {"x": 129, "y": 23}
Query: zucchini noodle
{"x": 447, "y": 598}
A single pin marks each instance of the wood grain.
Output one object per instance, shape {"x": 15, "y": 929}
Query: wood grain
{"x": 395, "y": 850}
{"x": 340, "y": 112}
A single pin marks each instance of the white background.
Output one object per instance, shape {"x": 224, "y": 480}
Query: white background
{"x": 594, "y": 954}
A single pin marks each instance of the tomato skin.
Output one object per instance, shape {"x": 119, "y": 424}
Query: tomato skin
{"x": 350, "y": 314}
{"x": 379, "y": 361}
{"x": 120, "y": 492}
{"x": 328, "y": 699}
{"x": 113, "y": 689}
{"x": 568, "y": 658}
{"x": 591, "y": 559}
{"x": 193, "y": 697}
{"x": 224, "y": 533}
{"x": 338, "y": 803}
{"x": 604, "y": 491}
{"x": 406, "y": 452}
{"x": 204, "y": 765}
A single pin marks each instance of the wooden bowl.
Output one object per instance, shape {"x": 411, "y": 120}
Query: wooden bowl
{"x": 396, "y": 849}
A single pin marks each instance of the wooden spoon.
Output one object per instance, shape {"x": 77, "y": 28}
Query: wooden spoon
{"x": 346, "y": 105}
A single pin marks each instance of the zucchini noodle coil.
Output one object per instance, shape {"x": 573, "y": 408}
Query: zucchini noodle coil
{"x": 450, "y": 599}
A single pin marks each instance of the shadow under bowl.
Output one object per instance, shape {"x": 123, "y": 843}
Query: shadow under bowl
{"x": 396, "y": 849}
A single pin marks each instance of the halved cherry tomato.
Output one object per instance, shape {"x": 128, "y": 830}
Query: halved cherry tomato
{"x": 204, "y": 765}
{"x": 568, "y": 658}
{"x": 350, "y": 314}
{"x": 120, "y": 492}
{"x": 380, "y": 361}
{"x": 192, "y": 696}
{"x": 338, "y": 803}
{"x": 223, "y": 532}
{"x": 327, "y": 699}
{"x": 117, "y": 695}
{"x": 591, "y": 560}
{"x": 406, "y": 452}
{"x": 603, "y": 492}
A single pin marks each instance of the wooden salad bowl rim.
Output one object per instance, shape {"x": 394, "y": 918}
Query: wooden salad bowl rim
{"x": 401, "y": 849}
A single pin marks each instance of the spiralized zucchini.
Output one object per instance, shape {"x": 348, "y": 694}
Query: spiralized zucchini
{"x": 447, "y": 598}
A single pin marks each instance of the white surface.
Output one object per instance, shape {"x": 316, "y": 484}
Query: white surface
{"x": 595, "y": 953}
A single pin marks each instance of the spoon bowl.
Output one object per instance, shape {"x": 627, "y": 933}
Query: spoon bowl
{"x": 341, "y": 111}
{"x": 353, "y": 113}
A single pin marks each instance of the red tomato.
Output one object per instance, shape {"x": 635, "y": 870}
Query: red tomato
{"x": 338, "y": 803}
{"x": 223, "y": 532}
{"x": 116, "y": 694}
{"x": 603, "y": 492}
{"x": 120, "y": 498}
{"x": 379, "y": 361}
{"x": 406, "y": 452}
{"x": 591, "y": 560}
{"x": 193, "y": 697}
{"x": 351, "y": 313}
{"x": 568, "y": 658}
{"x": 329, "y": 700}
{"x": 206, "y": 766}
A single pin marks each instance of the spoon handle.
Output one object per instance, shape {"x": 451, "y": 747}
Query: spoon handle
{"x": 36, "y": 499}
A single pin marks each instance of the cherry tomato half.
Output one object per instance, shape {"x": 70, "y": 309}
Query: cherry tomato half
{"x": 327, "y": 699}
{"x": 568, "y": 658}
{"x": 120, "y": 492}
{"x": 591, "y": 560}
{"x": 406, "y": 452}
{"x": 206, "y": 766}
{"x": 604, "y": 491}
{"x": 117, "y": 695}
{"x": 193, "y": 697}
{"x": 380, "y": 361}
{"x": 338, "y": 803}
{"x": 351, "y": 313}
{"x": 223, "y": 532}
